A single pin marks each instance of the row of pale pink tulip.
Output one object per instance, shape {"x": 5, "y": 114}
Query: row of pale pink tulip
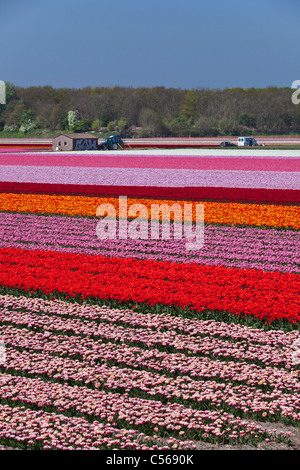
{"x": 31, "y": 429}
{"x": 197, "y": 368}
{"x": 191, "y": 326}
{"x": 274, "y": 346}
{"x": 149, "y": 416}
{"x": 170, "y": 340}
{"x": 133, "y": 356}
{"x": 90, "y": 363}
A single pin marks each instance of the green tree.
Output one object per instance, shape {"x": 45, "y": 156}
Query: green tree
{"x": 112, "y": 125}
{"x": 13, "y": 114}
{"x": 63, "y": 123}
{"x": 152, "y": 121}
{"x": 27, "y": 121}
{"x": 96, "y": 124}
{"x": 189, "y": 109}
{"x": 121, "y": 124}
{"x": 82, "y": 126}
{"x": 247, "y": 120}
{"x": 10, "y": 91}
{"x": 180, "y": 126}
{"x": 73, "y": 117}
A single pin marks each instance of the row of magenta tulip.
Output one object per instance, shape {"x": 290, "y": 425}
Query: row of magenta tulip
{"x": 251, "y": 195}
{"x": 132, "y": 318}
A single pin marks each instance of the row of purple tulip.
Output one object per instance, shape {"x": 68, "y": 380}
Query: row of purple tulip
{"x": 160, "y": 177}
{"x": 228, "y": 246}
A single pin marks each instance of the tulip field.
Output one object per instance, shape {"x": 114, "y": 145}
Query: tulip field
{"x": 138, "y": 343}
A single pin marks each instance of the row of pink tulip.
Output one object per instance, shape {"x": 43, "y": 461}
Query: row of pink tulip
{"x": 206, "y": 342}
{"x": 197, "y": 345}
{"x": 148, "y": 415}
{"x": 35, "y": 364}
{"x": 31, "y": 429}
{"x": 197, "y": 368}
{"x": 282, "y": 400}
{"x": 193, "y": 327}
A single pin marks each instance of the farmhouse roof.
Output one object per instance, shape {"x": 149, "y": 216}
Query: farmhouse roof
{"x": 77, "y": 135}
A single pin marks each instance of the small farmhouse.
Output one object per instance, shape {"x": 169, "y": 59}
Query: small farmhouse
{"x": 75, "y": 142}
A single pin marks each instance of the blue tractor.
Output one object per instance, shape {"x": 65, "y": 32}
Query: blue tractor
{"x": 114, "y": 142}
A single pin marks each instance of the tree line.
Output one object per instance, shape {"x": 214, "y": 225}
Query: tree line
{"x": 146, "y": 112}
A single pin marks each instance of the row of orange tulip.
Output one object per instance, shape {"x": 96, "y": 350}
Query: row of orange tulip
{"x": 214, "y": 212}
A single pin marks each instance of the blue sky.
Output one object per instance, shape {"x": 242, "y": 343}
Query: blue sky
{"x": 172, "y": 43}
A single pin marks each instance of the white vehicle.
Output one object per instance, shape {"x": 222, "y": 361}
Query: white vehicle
{"x": 247, "y": 142}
